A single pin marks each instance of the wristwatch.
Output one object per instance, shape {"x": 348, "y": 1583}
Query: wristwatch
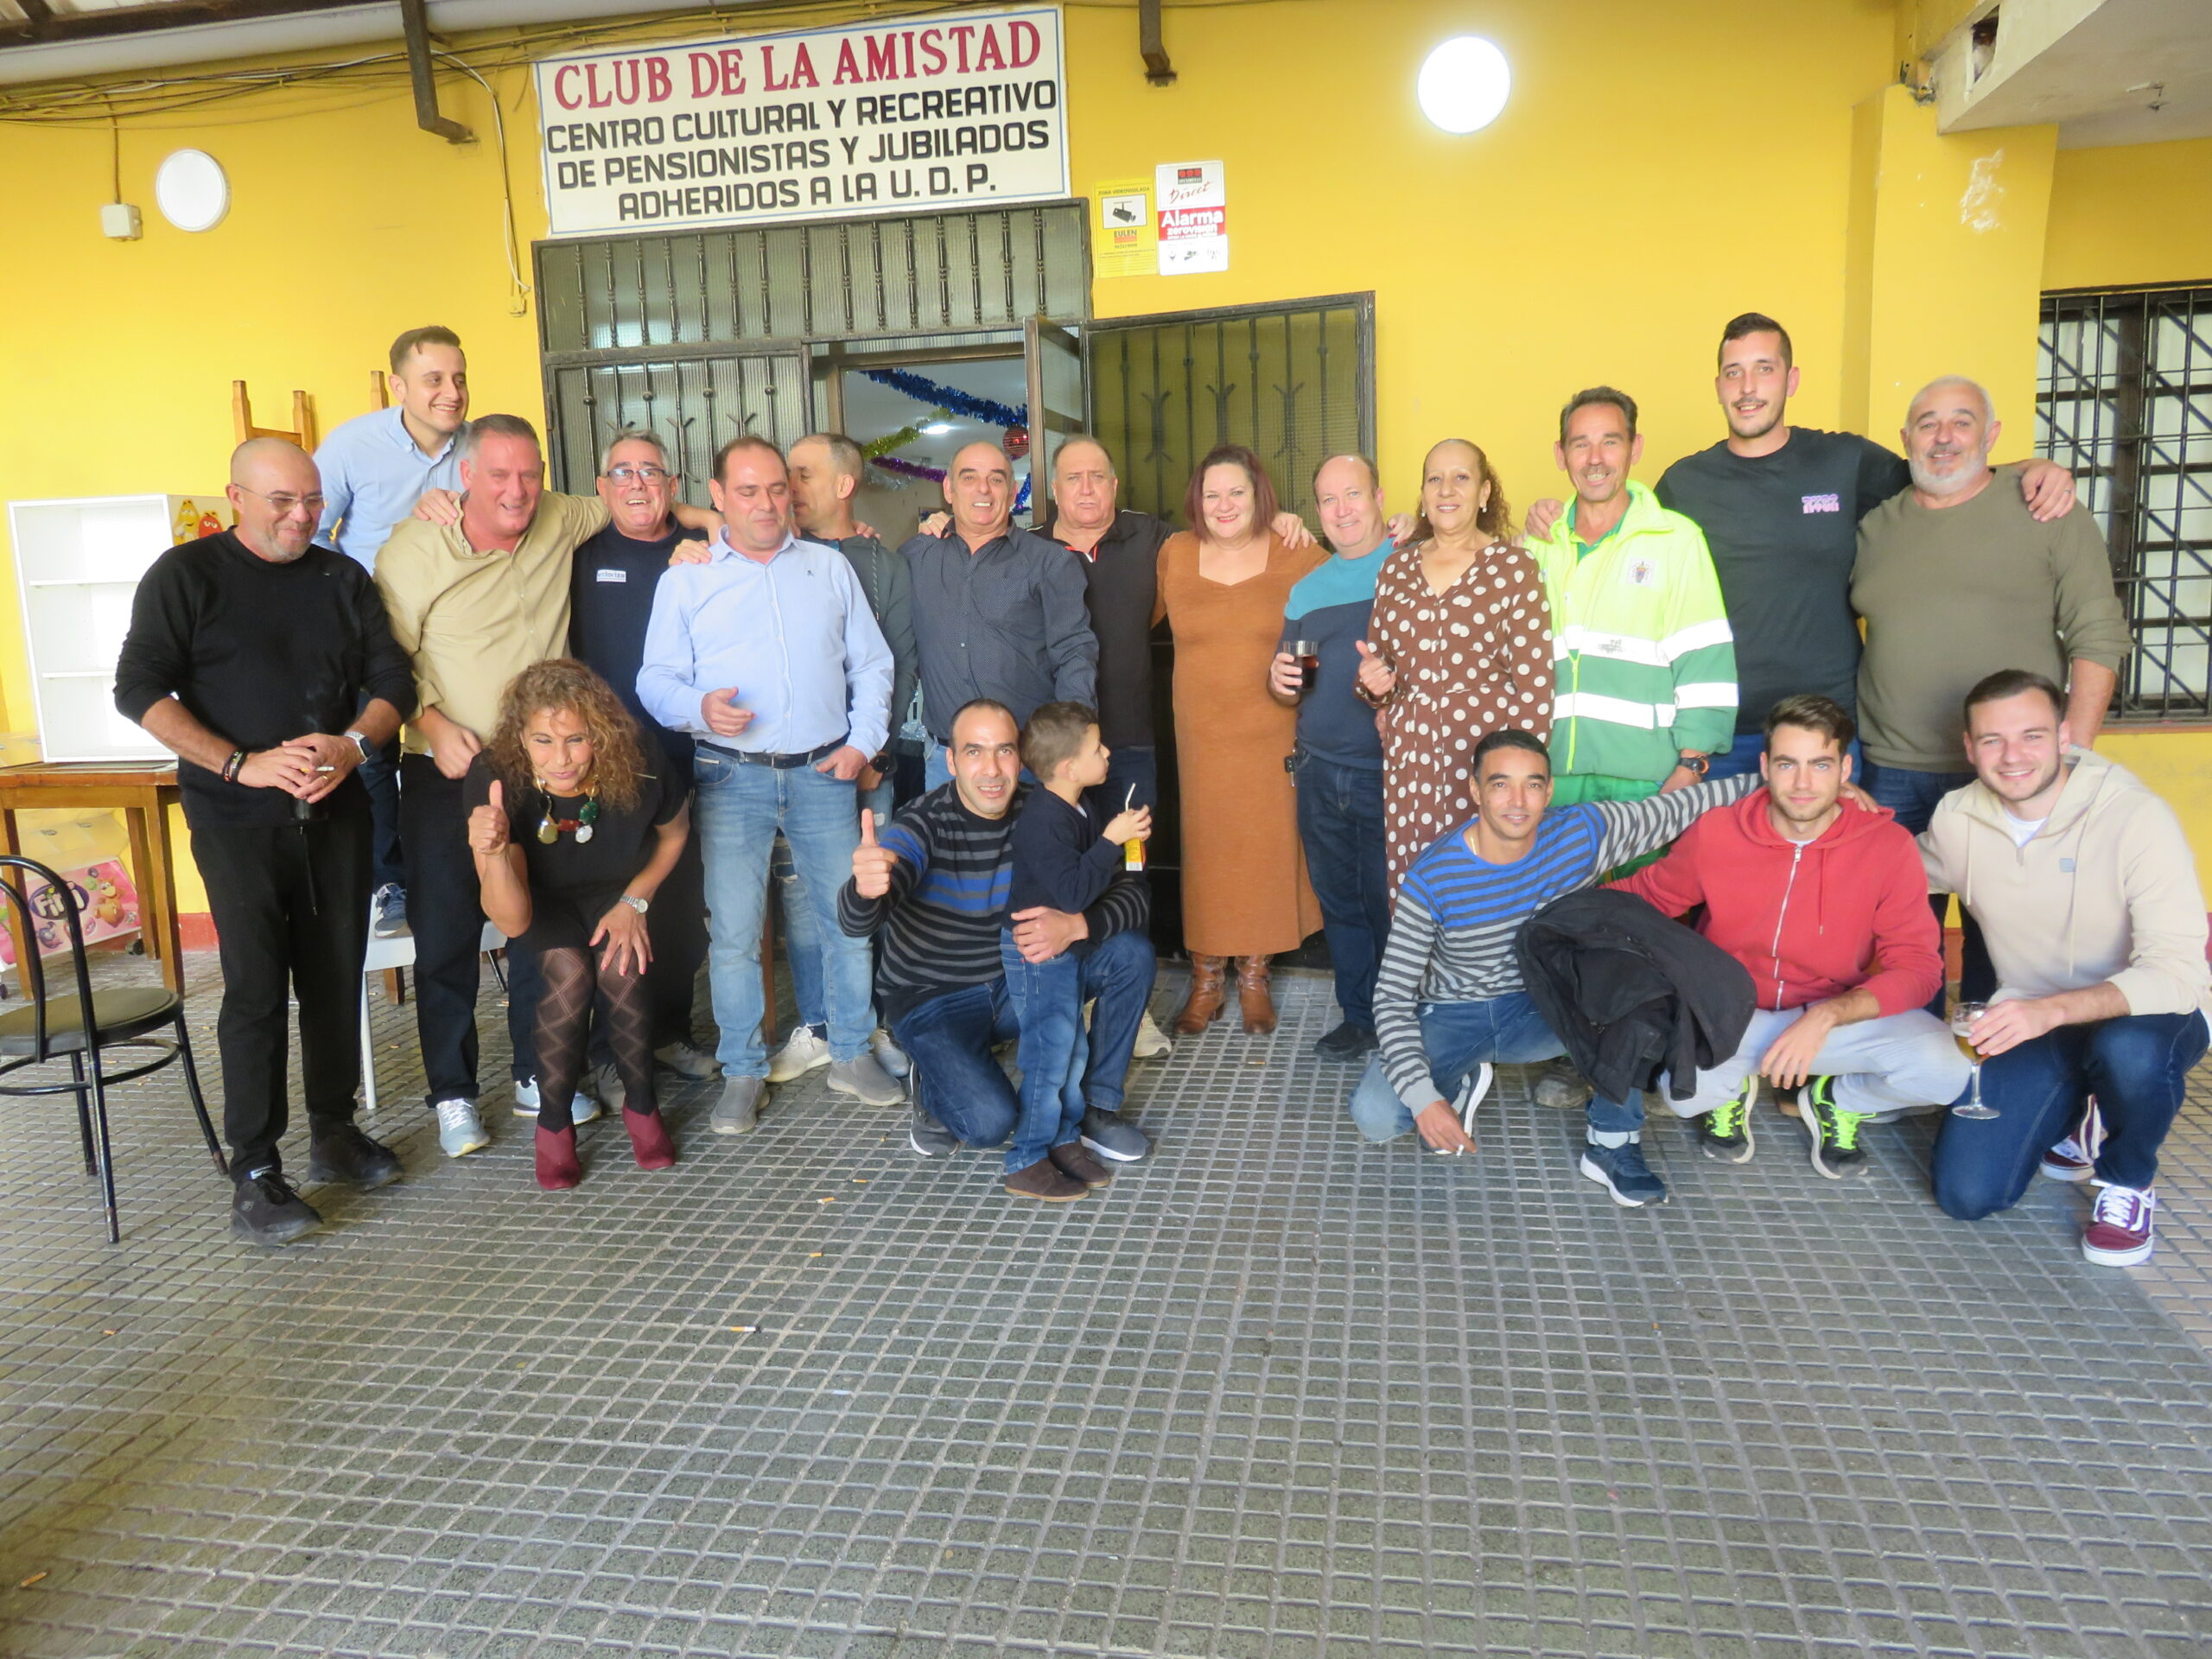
{"x": 641, "y": 905}
{"x": 1692, "y": 761}
{"x": 362, "y": 744}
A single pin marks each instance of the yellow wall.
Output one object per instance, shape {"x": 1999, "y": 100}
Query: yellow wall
{"x": 1932, "y": 215}
{"x": 2135, "y": 214}
{"x": 1658, "y": 169}
{"x": 1661, "y": 167}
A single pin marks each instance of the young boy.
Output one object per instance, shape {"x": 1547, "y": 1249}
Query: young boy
{"x": 1065, "y": 851}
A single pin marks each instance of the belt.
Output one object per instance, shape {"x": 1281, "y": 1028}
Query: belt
{"x": 779, "y": 762}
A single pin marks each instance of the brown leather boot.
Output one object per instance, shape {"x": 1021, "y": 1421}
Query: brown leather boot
{"x": 1252, "y": 998}
{"x": 1203, "y": 1006}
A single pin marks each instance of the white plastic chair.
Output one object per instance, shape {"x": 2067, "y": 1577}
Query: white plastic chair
{"x": 383, "y": 955}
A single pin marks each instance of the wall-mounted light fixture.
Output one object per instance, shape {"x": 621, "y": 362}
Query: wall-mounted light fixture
{"x": 1464, "y": 83}
{"x": 192, "y": 191}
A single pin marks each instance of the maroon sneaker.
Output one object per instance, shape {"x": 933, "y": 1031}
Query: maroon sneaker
{"x": 2075, "y": 1158}
{"x": 2119, "y": 1233}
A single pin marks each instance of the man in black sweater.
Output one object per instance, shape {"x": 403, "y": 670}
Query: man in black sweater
{"x": 248, "y": 654}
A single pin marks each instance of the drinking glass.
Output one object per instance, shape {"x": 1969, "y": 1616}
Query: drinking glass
{"x": 1963, "y": 1019}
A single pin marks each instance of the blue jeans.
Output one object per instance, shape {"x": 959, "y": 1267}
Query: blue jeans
{"x": 949, "y": 1038}
{"x": 1912, "y": 797}
{"x": 1456, "y": 1037}
{"x": 802, "y": 939}
{"x": 739, "y": 808}
{"x": 1047, "y": 1001}
{"x": 1743, "y": 755}
{"x": 380, "y": 775}
{"x": 1340, "y": 821}
{"x": 2137, "y": 1066}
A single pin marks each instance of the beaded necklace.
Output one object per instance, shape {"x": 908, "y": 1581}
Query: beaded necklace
{"x": 550, "y": 829}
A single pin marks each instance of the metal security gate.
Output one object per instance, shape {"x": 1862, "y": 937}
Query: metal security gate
{"x": 708, "y": 334}
{"x": 2124, "y": 401}
{"x": 1294, "y": 381}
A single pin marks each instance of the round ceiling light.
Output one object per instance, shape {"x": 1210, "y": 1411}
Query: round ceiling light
{"x": 1464, "y": 83}
{"x": 192, "y": 191}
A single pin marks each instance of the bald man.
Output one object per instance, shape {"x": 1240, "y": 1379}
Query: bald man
{"x": 248, "y": 655}
{"x": 999, "y": 612}
{"x": 1957, "y": 580}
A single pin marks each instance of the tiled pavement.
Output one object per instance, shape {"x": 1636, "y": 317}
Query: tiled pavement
{"x": 1275, "y": 1393}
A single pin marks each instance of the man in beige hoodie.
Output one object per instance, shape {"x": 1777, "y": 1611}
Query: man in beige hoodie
{"x": 2087, "y": 891}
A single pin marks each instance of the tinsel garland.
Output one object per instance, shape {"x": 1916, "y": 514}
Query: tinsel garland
{"x": 951, "y": 398}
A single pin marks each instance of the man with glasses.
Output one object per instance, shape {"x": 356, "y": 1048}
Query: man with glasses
{"x": 265, "y": 663}
{"x": 374, "y": 469}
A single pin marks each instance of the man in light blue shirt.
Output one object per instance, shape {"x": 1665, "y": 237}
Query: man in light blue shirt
{"x": 374, "y": 469}
{"x": 769, "y": 656}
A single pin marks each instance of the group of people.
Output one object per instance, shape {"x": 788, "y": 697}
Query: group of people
{"x": 627, "y": 720}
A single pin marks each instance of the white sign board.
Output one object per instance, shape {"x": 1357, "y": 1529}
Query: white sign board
{"x": 1193, "y": 198}
{"x": 964, "y": 112}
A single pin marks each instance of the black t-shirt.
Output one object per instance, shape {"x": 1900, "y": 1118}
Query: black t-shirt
{"x": 621, "y": 841}
{"x": 610, "y": 603}
{"x": 1783, "y": 530}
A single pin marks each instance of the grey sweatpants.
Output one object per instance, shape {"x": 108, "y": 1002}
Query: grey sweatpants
{"x": 1901, "y": 1062}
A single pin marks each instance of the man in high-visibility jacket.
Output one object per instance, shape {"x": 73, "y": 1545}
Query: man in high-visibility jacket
{"x": 1644, "y": 662}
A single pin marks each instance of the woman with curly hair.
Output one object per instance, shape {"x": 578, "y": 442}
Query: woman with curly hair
{"x": 572, "y": 836}
{"x": 1459, "y": 646}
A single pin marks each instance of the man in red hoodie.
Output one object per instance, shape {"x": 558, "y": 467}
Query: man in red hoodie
{"x": 1825, "y": 901}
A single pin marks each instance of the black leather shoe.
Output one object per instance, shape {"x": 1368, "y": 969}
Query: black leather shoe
{"x": 264, "y": 1209}
{"x": 1346, "y": 1043}
{"x": 342, "y": 1153}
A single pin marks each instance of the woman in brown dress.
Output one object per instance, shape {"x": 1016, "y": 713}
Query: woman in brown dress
{"x": 1223, "y": 590}
{"x": 1461, "y": 640}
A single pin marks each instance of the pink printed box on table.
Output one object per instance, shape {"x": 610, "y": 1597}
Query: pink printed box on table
{"x": 107, "y": 906}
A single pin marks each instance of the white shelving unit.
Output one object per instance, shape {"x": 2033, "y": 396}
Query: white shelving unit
{"x": 77, "y": 565}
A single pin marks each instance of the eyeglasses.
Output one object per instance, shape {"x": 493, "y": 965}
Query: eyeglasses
{"x": 284, "y": 505}
{"x": 637, "y": 474}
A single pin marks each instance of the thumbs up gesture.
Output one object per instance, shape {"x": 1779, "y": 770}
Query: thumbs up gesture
{"x": 488, "y": 824}
{"x": 1376, "y": 677}
{"x": 871, "y": 863}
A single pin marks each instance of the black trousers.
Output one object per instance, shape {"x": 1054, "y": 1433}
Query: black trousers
{"x": 445, "y": 914}
{"x": 676, "y": 925}
{"x": 291, "y": 911}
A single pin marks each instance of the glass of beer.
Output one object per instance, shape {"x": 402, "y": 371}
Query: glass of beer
{"x": 1309, "y": 663}
{"x": 1963, "y": 1020}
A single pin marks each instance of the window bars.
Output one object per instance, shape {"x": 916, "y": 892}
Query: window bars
{"x": 2124, "y": 400}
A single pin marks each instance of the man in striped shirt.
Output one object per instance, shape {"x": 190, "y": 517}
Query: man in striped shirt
{"x": 935, "y": 882}
{"x": 1449, "y": 1000}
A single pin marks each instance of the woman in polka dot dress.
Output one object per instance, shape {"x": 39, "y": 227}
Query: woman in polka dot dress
{"x": 1460, "y": 644}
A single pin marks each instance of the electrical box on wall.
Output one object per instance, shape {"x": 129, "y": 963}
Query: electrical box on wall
{"x": 119, "y": 219}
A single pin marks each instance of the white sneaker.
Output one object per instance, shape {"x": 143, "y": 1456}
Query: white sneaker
{"x": 805, "y": 1050}
{"x": 888, "y": 1055}
{"x": 1151, "y": 1041}
{"x": 459, "y": 1130}
{"x": 581, "y": 1107}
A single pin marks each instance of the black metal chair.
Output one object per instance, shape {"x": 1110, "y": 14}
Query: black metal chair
{"x": 45, "y": 1028}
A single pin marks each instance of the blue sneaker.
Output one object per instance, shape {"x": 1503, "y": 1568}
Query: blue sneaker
{"x": 1622, "y": 1172}
{"x": 388, "y": 912}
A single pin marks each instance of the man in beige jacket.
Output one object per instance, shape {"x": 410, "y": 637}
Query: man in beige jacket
{"x": 2087, "y": 891}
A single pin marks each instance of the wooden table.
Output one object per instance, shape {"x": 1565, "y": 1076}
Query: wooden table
{"x": 143, "y": 792}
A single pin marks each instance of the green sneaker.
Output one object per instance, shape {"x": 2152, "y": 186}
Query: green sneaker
{"x": 1835, "y": 1132}
{"x": 1725, "y": 1131}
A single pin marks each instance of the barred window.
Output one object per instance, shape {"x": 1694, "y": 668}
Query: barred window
{"x": 2124, "y": 399}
